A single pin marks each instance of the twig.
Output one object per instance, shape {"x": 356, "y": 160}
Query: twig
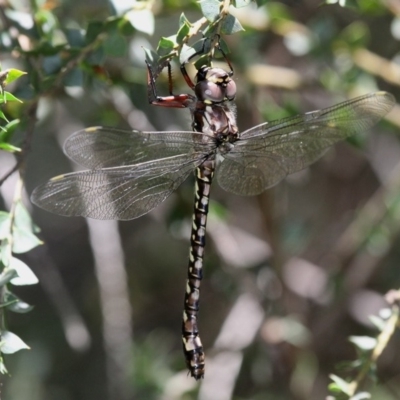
{"x": 382, "y": 341}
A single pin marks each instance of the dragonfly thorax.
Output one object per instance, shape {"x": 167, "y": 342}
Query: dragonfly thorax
{"x": 214, "y": 85}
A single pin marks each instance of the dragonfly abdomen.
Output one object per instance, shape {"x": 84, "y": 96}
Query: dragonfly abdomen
{"x": 192, "y": 345}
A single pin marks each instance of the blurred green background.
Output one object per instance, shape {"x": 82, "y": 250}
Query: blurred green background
{"x": 289, "y": 274}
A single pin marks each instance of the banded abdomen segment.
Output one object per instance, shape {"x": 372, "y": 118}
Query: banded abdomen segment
{"x": 192, "y": 346}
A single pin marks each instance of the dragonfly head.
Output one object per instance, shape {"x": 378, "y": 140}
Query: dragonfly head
{"x": 214, "y": 85}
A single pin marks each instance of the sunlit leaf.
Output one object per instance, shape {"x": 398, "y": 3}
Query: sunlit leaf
{"x": 13, "y": 74}
{"x": 231, "y": 25}
{"x": 341, "y": 385}
{"x": 2, "y": 115}
{"x": 22, "y": 219}
{"x": 121, "y": 6}
{"x": 46, "y": 19}
{"x": 378, "y": 322}
{"x": 142, "y": 20}
{"x": 210, "y": 9}
{"x": 5, "y": 224}
{"x": 363, "y": 342}
{"x": 22, "y": 19}
{"x": 25, "y": 274}
{"x": 10, "y": 97}
{"x": 11, "y": 343}
{"x": 9, "y": 147}
{"x": 24, "y": 239}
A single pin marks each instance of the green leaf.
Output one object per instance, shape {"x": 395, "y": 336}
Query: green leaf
{"x": 7, "y": 96}
{"x": 22, "y": 219}
{"x": 15, "y": 304}
{"x": 205, "y": 59}
{"x": 203, "y": 46}
{"x": 378, "y": 322}
{"x": 93, "y": 30}
{"x": 46, "y": 19}
{"x": 5, "y": 224}
{"x": 231, "y": 25}
{"x": 8, "y": 130}
{"x": 2, "y": 115}
{"x": 182, "y": 33}
{"x": 96, "y": 57}
{"x": 3, "y": 78}
{"x": 125, "y": 28}
{"x": 183, "y": 20}
{"x": 210, "y": 9}
{"x": 341, "y": 385}
{"x": 115, "y": 45}
{"x": 24, "y": 239}
{"x": 141, "y": 20}
{"x": 52, "y": 64}
{"x": 6, "y": 276}
{"x": 364, "y": 343}
{"x": 217, "y": 211}
{"x": 11, "y": 343}
{"x": 166, "y": 46}
{"x": 25, "y": 274}
{"x": 241, "y": 3}
{"x": 13, "y": 74}
{"x": 20, "y": 307}
{"x": 74, "y": 77}
{"x": 75, "y": 37}
{"x": 9, "y": 148}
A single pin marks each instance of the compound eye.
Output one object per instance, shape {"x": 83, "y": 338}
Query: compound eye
{"x": 206, "y": 90}
{"x": 230, "y": 90}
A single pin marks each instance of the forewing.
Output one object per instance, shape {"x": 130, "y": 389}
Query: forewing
{"x": 114, "y": 193}
{"x": 99, "y": 147}
{"x": 248, "y": 175}
{"x": 273, "y": 150}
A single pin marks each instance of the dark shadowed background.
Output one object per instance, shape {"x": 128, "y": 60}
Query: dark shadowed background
{"x": 289, "y": 274}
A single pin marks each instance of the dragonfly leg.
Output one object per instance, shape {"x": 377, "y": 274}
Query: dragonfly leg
{"x": 173, "y": 101}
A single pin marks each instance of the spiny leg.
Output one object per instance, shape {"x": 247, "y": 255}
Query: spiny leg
{"x": 173, "y": 101}
{"x": 192, "y": 345}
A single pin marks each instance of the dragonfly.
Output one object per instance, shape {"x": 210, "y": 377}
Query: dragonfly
{"x": 131, "y": 172}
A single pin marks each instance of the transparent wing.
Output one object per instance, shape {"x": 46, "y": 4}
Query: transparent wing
{"x": 265, "y": 154}
{"x": 99, "y": 147}
{"x": 114, "y": 193}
